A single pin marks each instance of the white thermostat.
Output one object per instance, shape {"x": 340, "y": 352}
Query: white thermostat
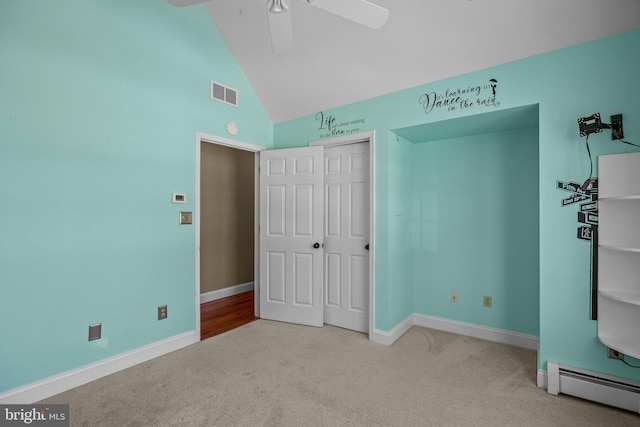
{"x": 178, "y": 198}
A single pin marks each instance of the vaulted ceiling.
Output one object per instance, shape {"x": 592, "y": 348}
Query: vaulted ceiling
{"x": 335, "y": 61}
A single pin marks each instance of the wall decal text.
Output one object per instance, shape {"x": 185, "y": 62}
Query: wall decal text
{"x": 461, "y": 98}
{"x": 330, "y": 126}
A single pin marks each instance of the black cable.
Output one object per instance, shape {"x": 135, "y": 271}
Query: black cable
{"x": 627, "y": 142}
{"x": 588, "y": 181}
{"x": 590, "y": 161}
{"x": 616, "y": 135}
{"x": 629, "y": 364}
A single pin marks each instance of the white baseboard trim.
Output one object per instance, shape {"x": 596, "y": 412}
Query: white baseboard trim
{"x": 226, "y": 292}
{"x": 542, "y": 379}
{"x": 388, "y": 338}
{"x": 476, "y": 331}
{"x": 460, "y": 328}
{"x": 51, "y": 386}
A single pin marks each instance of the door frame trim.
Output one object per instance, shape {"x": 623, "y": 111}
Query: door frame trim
{"x": 201, "y": 137}
{"x": 370, "y": 137}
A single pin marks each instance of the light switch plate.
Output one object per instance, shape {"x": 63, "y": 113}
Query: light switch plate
{"x": 185, "y": 217}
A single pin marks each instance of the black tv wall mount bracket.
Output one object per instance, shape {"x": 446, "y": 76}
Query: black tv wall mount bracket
{"x": 593, "y": 124}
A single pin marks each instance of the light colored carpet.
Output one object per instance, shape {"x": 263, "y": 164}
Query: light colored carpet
{"x": 277, "y": 374}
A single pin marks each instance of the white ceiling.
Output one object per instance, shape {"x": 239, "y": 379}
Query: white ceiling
{"x": 336, "y": 62}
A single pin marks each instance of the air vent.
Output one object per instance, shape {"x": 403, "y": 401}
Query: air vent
{"x": 224, "y": 94}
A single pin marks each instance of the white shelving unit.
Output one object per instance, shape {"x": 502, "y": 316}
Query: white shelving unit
{"x": 619, "y": 252}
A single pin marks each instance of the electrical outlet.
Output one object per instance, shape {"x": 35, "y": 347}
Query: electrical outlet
{"x": 162, "y": 312}
{"x": 614, "y": 354}
{"x": 486, "y": 301}
{"x": 95, "y": 331}
{"x": 454, "y": 296}
{"x": 616, "y": 127}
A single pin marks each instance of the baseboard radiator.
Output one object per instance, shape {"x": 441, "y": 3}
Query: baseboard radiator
{"x": 609, "y": 390}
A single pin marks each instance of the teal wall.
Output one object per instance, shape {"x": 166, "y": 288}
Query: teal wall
{"x": 475, "y": 216}
{"x": 99, "y": 105}
{"x": 400, "y": 256}
{"x": 599, "y": 76}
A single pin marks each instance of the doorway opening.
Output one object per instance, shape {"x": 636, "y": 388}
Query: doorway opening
{"x": 225, "y": 242}
{"x": 369, "y": 158}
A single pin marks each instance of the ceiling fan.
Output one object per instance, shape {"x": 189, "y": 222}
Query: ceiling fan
{"x": 361, "y": 12}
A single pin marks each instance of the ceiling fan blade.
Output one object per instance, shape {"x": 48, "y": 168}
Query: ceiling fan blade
{"x": 182, "y": 3}
{"x": 359, "y": 11}
{"x": 281, "y": 30}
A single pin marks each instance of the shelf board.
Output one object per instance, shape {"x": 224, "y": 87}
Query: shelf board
{"x": 619, "y": 248}
{"x": 626, "y": 297}
{"x": 631, "y": 197}
{"x": 623, "y": 346}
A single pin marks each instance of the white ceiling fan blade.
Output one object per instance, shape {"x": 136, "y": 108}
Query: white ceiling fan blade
{"x": 182, "y": 3}
{"x": 281, "y": 30}
{"x": 359, "y": 11}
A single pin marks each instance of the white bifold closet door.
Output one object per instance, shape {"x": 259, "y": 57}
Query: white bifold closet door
{"x": 346, "y": 236}
{"x": 291, "y": 211}
{"x": 314, "y": 235}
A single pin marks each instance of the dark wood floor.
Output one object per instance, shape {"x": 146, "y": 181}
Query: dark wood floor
{"x": 225, "y": 314}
